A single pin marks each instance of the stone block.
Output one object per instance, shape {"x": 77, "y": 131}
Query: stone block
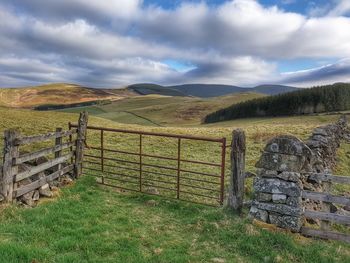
{"x": 45, "y": 191}
{"x": 276, "y": 186}
{"x": 287, "y": 144}
{"x": 259, "y": 214}
{"x": 266, "y": 173}
{"x": 281, "y": 162}
{"x": 320, "y": 131}
{"x": 278, "y": 208}
{"x": 279, "y": 198}
{"x": 263, "y": 197}
{"x": 36, "y": 195}
{"x": 287, "y": 176}
{"x": 288, "y": 222}
{"x": 294, "y": 201}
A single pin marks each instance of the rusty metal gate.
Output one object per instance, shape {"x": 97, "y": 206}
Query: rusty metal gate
{"x": 189, "y": 168}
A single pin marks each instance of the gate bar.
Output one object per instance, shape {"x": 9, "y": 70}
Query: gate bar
{"x": 198, "y": 138}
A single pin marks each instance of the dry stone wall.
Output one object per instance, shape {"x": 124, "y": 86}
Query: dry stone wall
{"x": 285, "y": 170}
{"x": 278, "y": 184}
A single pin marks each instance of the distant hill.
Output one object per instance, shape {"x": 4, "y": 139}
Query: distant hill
{"x": 57, "y": 94}
{"x": 206, "y": 90}
{"x": 147, "y": 89}
{"x": 329, "y": 98}
{"x": 274, "y": 89}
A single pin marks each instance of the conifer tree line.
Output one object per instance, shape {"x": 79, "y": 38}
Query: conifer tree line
{"x": 319, "y": 99}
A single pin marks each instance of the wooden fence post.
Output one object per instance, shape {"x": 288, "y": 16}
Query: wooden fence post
{"x": 326, "y": 206}
{"x": 79, "y": 150}
{"x": 236, "y": 191}
{"x": 58, "y": 142}
{"x": 9, "y": 170}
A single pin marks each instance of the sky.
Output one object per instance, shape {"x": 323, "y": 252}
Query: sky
{"x": 113, "y": 43}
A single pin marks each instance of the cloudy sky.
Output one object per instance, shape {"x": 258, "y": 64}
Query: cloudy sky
{"x": 111, "y": 43}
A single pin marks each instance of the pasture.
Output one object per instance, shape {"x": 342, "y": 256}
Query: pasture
{"x": 89, "y": 223}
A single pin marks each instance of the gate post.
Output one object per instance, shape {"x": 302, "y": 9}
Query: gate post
{"x": 236, "y": 191}
{"x": 9, "y": 171}
{"x": 80, "y": 145}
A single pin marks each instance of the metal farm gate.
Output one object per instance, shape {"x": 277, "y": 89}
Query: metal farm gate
{"x": 188, "y": 168}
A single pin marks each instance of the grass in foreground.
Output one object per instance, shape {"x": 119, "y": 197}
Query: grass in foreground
{"x": 88, "y": 223}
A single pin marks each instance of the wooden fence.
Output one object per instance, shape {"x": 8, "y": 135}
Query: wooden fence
{"x": 69, "y": 152}
{"x": 326, "y": 216}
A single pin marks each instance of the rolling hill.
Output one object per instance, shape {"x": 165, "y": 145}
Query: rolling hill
{"x": 147, "y": 89}
{"x": 57, "y": 94}
{"x": 158, "y": 110}
{"x": 206, "y": 90}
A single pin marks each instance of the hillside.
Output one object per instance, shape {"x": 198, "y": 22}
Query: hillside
{"x": 157, "y": 110}
{"x": 274, "y": 89}
{"x": 206, "y": 90}
{"x": 329, "y": 98}
{"x": 147, "y": 89}
{"x": 56, "y": 94}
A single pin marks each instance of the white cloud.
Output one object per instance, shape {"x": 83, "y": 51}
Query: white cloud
{"x": 342, "y": 8}
{"x": 116, "y": 42}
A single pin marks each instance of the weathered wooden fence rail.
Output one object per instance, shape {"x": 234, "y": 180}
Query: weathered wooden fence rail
{"x": 326, "y": 216}
{"x": 67, "y": 159}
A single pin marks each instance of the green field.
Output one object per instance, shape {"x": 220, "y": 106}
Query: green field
{"x": 156, "y": 110}
{"x": 88, "y": 223}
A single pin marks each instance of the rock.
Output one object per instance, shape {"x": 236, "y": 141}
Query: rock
{"x": 28, "y": 199}
{"x": 41, "y": 160}
{"x": 332, "y": 208}
{"x": 313, "y": 221}
{"x": 66, "y": 180}
{"x": 38, "y": 176}
{"x": 287, "y": 144}
{"x": 259, "y": 214}
{"x": 287, "y": 176}
{"x": 264, "y": 197}
{"x": 347, "y": 208}
{"x": 320, "y": 131}
{"x": 24, "y": 167}
{"x": 38, "y": 161}
{"x": 55, "y": 183}
{"x": 281, "y": 162}
{"x": 45, "y": 191}
{"x": 294, "y": 201}
{"x": 276, "y": 186}
{"x": 288, "y": 222}
{"x": 278, "y": 208}
{"x": 36, "y": 195}
{"x": 279, "y": 198}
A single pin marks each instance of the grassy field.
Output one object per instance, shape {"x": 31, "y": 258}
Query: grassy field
{"x": 88, "y": 223}
{"x": 156, "y": 110}
{"x": 54, "y": 94}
